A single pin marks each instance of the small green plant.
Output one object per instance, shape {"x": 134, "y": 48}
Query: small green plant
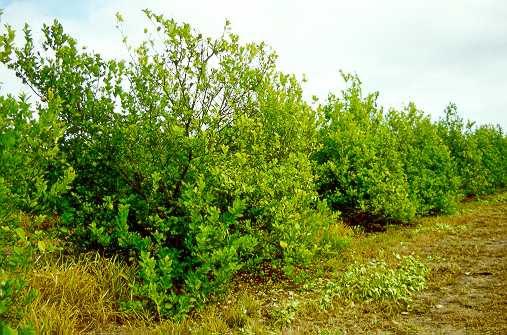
{"x": 285, "y": 312}
{"x": 377, "y": 281}
{"x": 22, "y": 330}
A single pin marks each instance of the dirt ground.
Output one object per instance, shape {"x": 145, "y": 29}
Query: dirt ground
{"x": 467, "y": 289}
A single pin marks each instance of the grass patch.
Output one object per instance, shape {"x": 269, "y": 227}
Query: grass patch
{"x": 77, "y": 296}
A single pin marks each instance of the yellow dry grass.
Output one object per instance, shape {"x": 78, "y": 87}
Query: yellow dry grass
{"x": 77, "y": 296}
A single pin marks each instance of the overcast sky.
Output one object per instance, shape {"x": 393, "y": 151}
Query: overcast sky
{"x": 431, "y": 52}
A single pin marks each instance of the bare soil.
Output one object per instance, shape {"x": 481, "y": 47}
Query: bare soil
{"x": 467, "y": 288}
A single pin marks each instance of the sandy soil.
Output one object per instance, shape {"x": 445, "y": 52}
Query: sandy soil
{"x": 467, "y": 292}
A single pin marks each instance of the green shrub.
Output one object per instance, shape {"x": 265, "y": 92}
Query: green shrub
{"x": 433, "y": 179}
{"x": 32, "y": 178}
{"x": 193, "y": 157}
{"x": 492, "y": 144}
{"x": 479, "y": 153}
{"x": 32, "y": 173}
{"x": 16, "y": 253}
{"x": 464, "y": 151}
{"x": 359, "y": 165}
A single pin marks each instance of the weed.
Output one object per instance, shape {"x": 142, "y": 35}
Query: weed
{"x": 285, "y": 313}
{"x": 377, "y": 281}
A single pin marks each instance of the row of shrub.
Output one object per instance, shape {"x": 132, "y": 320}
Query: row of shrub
{"x": 197, "y": 158}
{"x": 396, "y": 165}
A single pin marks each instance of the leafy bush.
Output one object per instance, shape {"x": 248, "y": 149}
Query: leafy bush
{"x": 359, "y": 165}
{"x": 375, "y": 166}
{"x": 16, "y": 254}
{"x": 433, "y": 179}
{"x": 492, "y": 144}
{"x": 478, "y": 153}
{"x": 32, "y": 174}
{"x": 193, "y": 157}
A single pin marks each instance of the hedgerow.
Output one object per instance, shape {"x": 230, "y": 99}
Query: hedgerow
{"x": 479, "y": 153}
{"x": 359, "y": 165}
{"x": 432, "y": 175}
{"x": 197, "y": 158}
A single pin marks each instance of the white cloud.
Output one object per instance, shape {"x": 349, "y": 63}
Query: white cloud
{"x": 430, "y": 52}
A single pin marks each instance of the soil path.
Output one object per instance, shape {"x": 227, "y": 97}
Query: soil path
{"x": 467, "y": 291}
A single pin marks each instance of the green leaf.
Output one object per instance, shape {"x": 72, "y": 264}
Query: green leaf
{"x": 42, "y": 246}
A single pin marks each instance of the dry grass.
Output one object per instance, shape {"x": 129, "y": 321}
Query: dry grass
{"x": 77, "y": 296}
{"x": 466, "y": 292}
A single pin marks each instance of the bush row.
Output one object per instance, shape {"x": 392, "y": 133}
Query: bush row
{"x": 197, "y": 158}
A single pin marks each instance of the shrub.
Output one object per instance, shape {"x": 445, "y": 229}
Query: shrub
{"x": 193, "y": 157}
{"x": 359, "y": 165}
{"x": 32, "y": 173}
{"x": 492, "y": 144}
{"x": 32, "y": 178}
{"x": 15, "y": 259}
{"x": 478, "y": 153}
{"x": 433, "y": 179}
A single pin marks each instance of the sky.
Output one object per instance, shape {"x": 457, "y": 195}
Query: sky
{"x": 430, "y": 52}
